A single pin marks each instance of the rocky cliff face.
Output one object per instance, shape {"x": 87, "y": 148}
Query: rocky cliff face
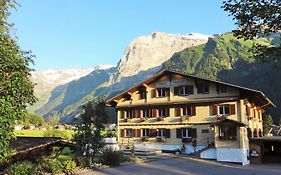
{"x": 150, "y": 51}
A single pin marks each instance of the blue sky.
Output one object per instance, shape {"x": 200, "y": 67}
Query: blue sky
{"x": 85, "y": 33}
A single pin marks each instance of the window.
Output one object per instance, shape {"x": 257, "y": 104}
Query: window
{"x": 161, "y": 133}
{"x": 128, "y": 133}
{"x": 224, "y": 110}
{"x": 161, "y": 92}
{"x": 129, "y": 114}
{"x": 186, "y": 133}
{"x": 185, "y": 90}
{"x": 186, "y": 111}
{"x": 142, "y": 93}
{"x": 145, "y": 132}
{"x": 145, "y": 113}
{"x": 203, "y": 88}
{"x": 228, "y": 132}
{"x": 163, "y": 112}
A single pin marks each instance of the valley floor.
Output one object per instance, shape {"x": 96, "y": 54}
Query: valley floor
{"x": 188, "y": 166}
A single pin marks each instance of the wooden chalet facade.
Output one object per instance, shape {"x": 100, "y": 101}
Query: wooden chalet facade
{"x": 171, "y": 109}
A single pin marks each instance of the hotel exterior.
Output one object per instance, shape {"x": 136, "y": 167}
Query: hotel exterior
{"x": 173, "y": 109}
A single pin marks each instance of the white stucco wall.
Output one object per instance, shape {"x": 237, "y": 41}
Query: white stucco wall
{"x": 209, "y": 154}
{"x": 236, "y": 155}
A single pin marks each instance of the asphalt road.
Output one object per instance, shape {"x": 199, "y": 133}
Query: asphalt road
{"x": 187, "y": 166}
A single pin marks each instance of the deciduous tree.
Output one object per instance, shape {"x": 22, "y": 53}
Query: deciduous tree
{"x": 16, "y": 89}
{"x": 257, "y": 18}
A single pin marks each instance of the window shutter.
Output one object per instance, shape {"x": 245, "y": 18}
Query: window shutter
{"x": 152, "y": 133}
{"x": 178, "y": 133}
{"x": 122, "y": 132}
{"x": 193, "y": 132}
{"x": 232, "y": 109}
{"x": 214, "y": 109}
{"x": 133, "y": 132}
{"x": 167, "y": 112}
{"x": 137, "y": 113}
{"x": 153, "y": 93}
{"x": 190, "y": 89}
{"x": 193, "y": 110}
{"x": 138, "y": 134}
{"x": 176, "y": 90}
{"x": 167, "y": 92}
{"x": 178, "y": 111}
{"x": 167, "y": 133}
{"x": 153, "y": 112}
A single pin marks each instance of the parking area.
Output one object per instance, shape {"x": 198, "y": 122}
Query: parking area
{"x": 185, "y": 165}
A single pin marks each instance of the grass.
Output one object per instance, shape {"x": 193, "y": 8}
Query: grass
{"x": 38, "y": 133}
{"x": 66, "y": 154}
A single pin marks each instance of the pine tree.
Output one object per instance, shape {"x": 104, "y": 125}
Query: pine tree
{"x": 88, "y": 136}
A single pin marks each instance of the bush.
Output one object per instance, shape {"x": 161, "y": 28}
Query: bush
{"x": 111, "y": 158}
{"x": 82, "y": 162}
{"x": 22, "y": 168}
{"x": 52, "y": 166}
{"x": 69, "y": 166}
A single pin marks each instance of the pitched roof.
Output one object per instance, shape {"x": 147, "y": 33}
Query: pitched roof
{"x": 259, "y": 94}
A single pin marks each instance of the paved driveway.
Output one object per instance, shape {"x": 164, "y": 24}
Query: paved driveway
{"x": 187, "y": 166}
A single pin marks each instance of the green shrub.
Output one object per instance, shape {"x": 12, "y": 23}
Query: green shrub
{"x": 111, "y": 157}
{"x": 82, "y": 162}
{"x": 21, "y": 168}
{"x": 69, "y": 166}
{"x": 52, "y": 166}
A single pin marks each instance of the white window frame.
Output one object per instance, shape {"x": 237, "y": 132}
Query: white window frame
{"x": 224, "y": 110}
{"x": 161, "y": 92}
{"x": 185, "y": 111}
{"x": 127, "y": 131}
{"x": 187, "y": 134}
{"x": 129, "y": 114}
{"x": 161, "y": 112}
{"x": 160, "y": 133}
{"x": 145, "y": 113}
{"x": 183, "y": 89}
{"x": 145, "y": 133}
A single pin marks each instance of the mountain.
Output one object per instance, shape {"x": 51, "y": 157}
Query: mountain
{"x": 150, "y": 51}
{"x": 226, "y": 58}
{"x": 223, "y": 58}
{"x": 47, "y": 80}
{"x": 142, "y": 58}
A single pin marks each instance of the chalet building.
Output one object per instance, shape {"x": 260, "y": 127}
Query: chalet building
{"x": 173, "y": 109}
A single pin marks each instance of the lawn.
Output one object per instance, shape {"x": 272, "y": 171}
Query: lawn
{"x": 39, "y": 133}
